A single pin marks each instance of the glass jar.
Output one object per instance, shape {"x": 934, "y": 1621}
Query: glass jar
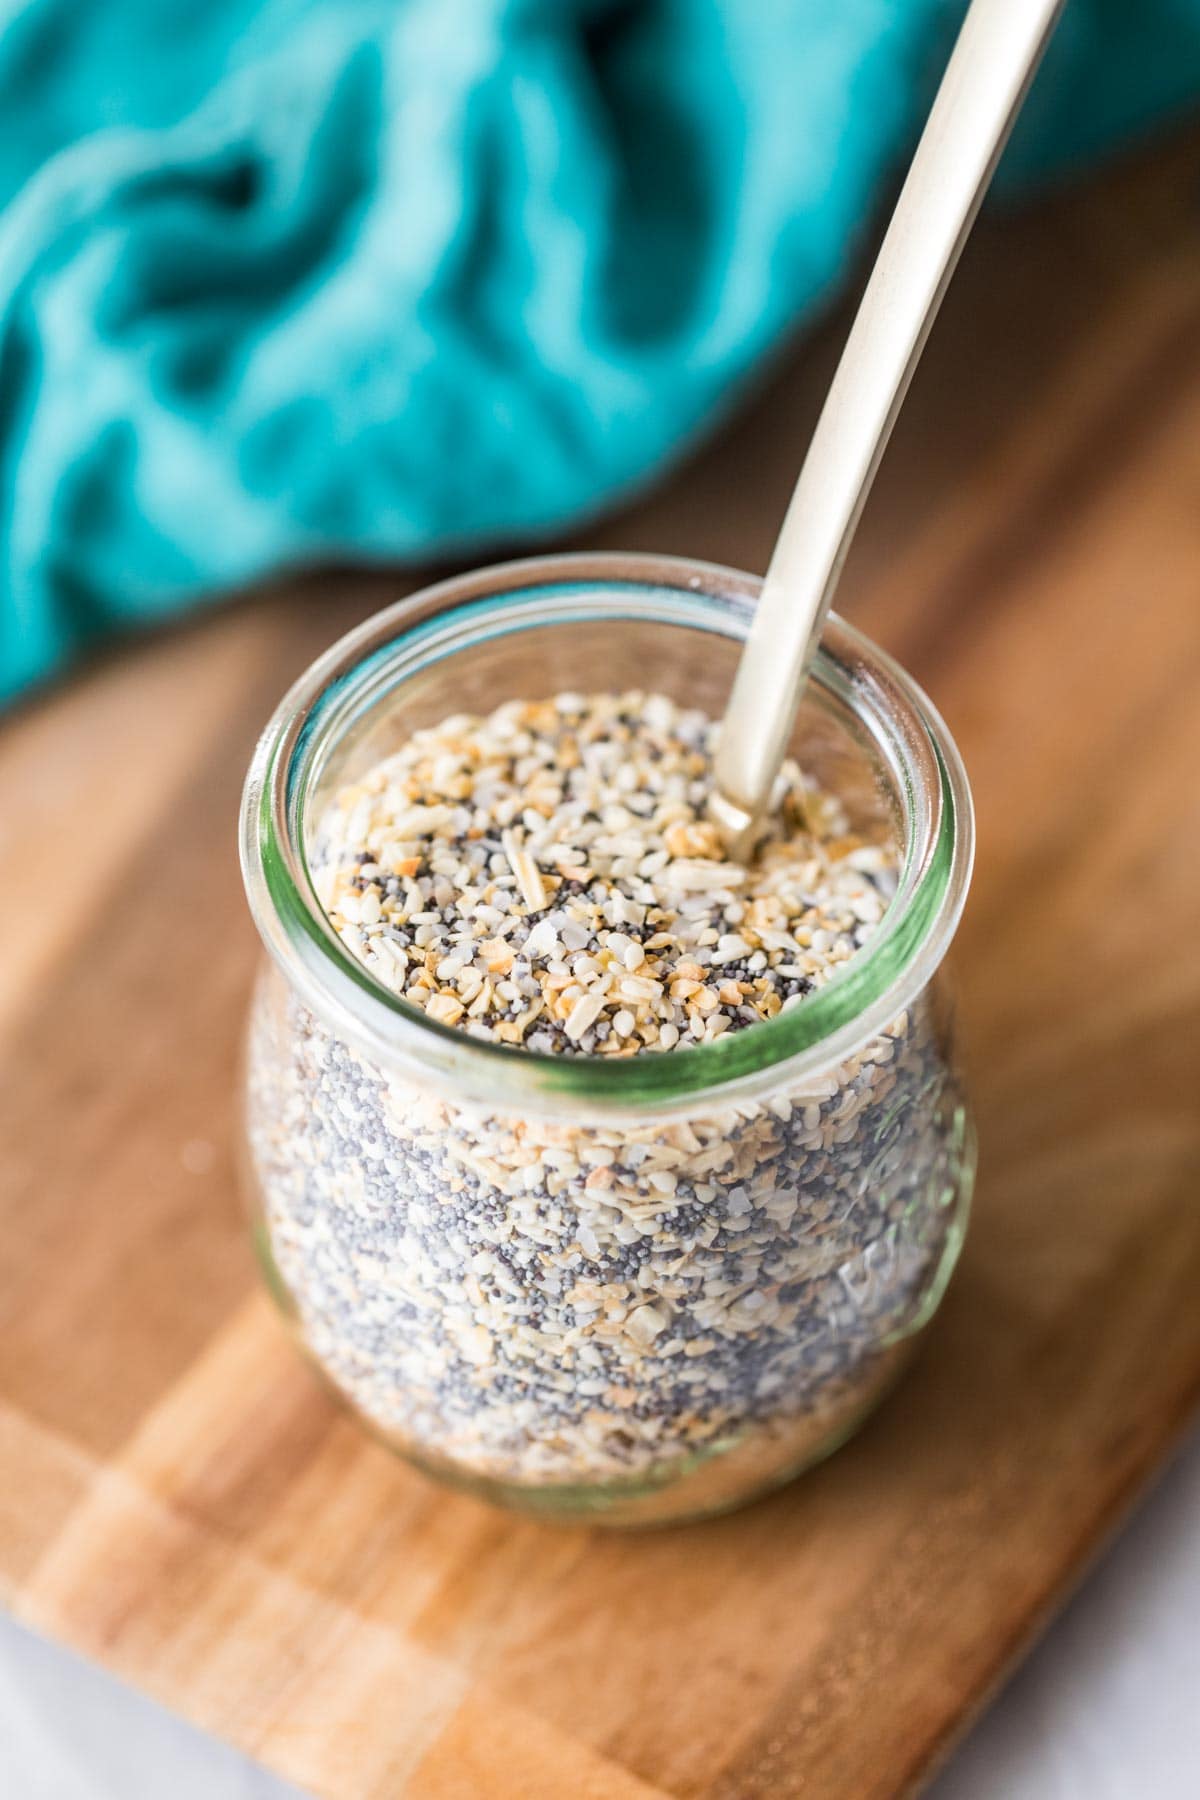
{"x": 636, "y": 1289}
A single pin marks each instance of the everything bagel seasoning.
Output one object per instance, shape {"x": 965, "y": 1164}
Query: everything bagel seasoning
{"x": 534, "y": 1301}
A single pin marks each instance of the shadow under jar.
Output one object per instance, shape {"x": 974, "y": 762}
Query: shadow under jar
{"x": 785, "y": 1204}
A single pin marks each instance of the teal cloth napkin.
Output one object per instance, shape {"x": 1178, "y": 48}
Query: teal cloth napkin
{"x": 301, "y": 280}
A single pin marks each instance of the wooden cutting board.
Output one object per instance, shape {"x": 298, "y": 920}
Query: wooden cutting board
{"x": 180, "y": 1501}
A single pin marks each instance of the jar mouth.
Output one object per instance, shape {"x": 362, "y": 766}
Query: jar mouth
{"x": 394, "y": 645}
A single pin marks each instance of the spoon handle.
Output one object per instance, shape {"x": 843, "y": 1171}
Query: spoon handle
{"x": 986, "y": 79}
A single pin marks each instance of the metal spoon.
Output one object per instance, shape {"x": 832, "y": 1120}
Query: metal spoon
{"x": 986, "y": 79}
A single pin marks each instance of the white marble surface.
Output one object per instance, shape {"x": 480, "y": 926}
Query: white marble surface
{"x": 68, "y": 1731}
{"x": 1106, "y": 1708}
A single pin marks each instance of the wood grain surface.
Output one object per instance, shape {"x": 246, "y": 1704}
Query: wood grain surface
{"x": 181, "y": 1502}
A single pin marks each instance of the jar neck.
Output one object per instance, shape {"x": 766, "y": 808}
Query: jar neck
{"x": 389, "y": 655}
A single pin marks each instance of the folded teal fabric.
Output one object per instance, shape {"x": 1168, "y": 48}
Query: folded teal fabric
{"x": 309, "y": 280}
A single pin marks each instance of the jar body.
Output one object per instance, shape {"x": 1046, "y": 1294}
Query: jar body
{"x": 638, "y": 1321}
{"x": 633, "y": 1290}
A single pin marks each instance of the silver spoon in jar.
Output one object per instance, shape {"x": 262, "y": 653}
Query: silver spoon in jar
{"x": 986, "y": 79}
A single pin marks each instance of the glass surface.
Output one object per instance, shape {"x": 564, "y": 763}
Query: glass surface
{"x": 635, "y": 1290}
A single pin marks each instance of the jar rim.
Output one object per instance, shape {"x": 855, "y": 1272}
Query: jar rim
{"x": 875, "y": 986}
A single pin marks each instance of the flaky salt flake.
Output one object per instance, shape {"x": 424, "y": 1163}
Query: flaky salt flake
{"x": 698, "y": 875}
{"x": 645, "y": 1323}
{"x": 542, "y": 940}
{"x": 420, "y": 821}
{"x": 583, "y": 1014}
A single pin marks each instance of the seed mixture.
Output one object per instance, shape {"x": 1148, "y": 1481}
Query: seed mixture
{"x": 548, "y": 877}
{"x": 534, "y": 1301}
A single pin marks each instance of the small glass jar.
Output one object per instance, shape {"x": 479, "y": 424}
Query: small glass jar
{"x": 638, "y": 1289}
